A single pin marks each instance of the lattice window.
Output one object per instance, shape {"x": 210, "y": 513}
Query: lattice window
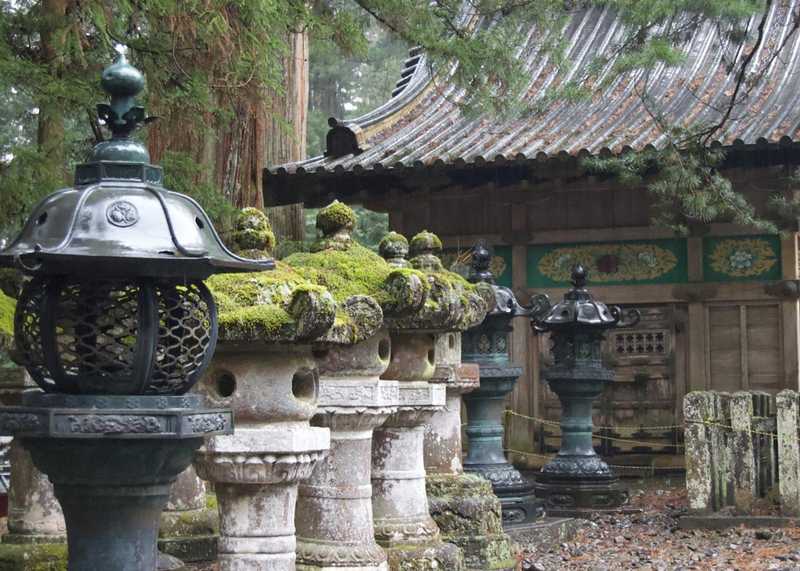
{"x": 646, "y": 343}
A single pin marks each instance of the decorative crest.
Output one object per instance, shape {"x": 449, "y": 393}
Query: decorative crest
{"x": 123, "y": 83}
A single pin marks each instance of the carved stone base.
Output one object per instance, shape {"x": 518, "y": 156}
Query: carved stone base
{"x": 519, "y": 503}
{"x": 580, "y": 497}
{"x": 469, "y": 515}
{"x": 256, "y": 473}
{"x": 428, "y": 557}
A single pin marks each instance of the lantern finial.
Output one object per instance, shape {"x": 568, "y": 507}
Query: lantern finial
{"x": 123, "y": 83}
{"x": 579, "y": 276}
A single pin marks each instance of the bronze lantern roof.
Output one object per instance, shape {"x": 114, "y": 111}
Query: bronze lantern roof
{"x": 118, "y": 220}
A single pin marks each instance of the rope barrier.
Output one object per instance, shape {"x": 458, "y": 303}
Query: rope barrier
{"x": 665, "y": 427}
{"x": 556, "y": 423}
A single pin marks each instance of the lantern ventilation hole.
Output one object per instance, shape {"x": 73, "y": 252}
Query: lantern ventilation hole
{"x": 431, "y": 356}
{"x": 200, "y": 223}
{"x": 42, "y": 218}
{"x": 225, "y": 385}
{"x": 304, "y": 384}
{"x": 451, "y": 341}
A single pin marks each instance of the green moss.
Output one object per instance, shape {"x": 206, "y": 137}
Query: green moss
{"x": 189, "y": 523}
{"x": 425, "y": 242}
{"x": 354, "y": 271}
{"x": 7, "y": 307}
{"x": 211, "y": 501}
{"x": 252, "y": 231}
{"x": 393, "y": 245}
{"x": 334, "y": 217}
{"x": 33, "y": 557}
{"x": 267, "y": 322}
{"x": 260, "y": 305}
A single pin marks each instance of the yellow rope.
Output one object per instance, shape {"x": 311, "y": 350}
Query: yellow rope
{"x": 556, "y": 423}
{"x": 665, "y": 427}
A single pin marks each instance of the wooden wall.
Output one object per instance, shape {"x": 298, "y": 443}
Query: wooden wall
{"x": 718, "y": 335}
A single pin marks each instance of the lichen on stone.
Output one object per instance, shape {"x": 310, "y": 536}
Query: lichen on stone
{"x": 7, "y": 307}
{"x": 272, "y": 306}
{"x": 252, "y": 235}
{"x": 336, "y": 222}
{"x": 453, "y": 303}
{"x": 394, "y": 249}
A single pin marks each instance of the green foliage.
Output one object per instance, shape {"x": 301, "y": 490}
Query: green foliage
{"x": 349, "y": 77}
{"x": 182, "y": 174}
{"x": 686, "y": 185}
{"x": 202, "y": 60}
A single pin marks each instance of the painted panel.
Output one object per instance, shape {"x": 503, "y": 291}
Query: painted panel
{"x": 741, "y": 258}
{"x": 458, "y": 260}
{"x": 611, "y": 263}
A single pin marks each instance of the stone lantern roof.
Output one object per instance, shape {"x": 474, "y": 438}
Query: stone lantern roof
{"x": 454, "y": 304}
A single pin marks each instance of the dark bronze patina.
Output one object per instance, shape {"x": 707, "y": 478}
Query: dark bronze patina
{"x": 488, "y": 346}
{"x": 114, "y": 326}
{"x": 577, "y": 481}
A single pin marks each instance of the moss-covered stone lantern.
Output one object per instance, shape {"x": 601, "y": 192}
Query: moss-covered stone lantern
{"x": 115, "y": 326}
{"x": 577, "y": 481}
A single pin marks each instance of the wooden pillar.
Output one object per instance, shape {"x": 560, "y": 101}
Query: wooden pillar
{"x": 697, "y": 327}
{"x": 790, "y": 317}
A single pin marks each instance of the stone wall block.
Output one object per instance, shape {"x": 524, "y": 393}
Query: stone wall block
{"x": 788, "y": 407}
{"x": 698, "y": 408}
{"x": 745, "y": 488}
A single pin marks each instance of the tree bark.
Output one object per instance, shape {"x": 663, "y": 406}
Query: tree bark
{"x": 50, "y": 135}
{"x": 266, "y": 128}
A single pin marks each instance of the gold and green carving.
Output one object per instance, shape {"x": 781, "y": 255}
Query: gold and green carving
{"x": 651, "y": 261}
{"x": 741, "y": 258}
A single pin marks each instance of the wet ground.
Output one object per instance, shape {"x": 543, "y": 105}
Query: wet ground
{"x": 652, "y": 541}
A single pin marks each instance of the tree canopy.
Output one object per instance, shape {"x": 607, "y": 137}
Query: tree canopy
{"x": 216, "y": 73}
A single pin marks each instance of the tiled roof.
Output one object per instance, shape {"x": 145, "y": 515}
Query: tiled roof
{"x": 423, "y": 124}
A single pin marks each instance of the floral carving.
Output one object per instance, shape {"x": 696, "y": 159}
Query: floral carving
{"x": 107, "y": 424}
{"x": 610, "y": 262}
{"x": 743, "y": 257}
{"x": 207, "y": 422}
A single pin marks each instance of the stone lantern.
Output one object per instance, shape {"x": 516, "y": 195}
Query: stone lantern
{"x": 115, "y": 327}
{"x": 488, "y": 345}
{"x": 334, "y": 517}
{"x": 577, "y": 481}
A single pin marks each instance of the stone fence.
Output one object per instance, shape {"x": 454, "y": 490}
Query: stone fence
{"x": 742, "y": 451}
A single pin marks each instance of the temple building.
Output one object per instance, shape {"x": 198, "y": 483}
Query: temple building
{"x": 719, "y": 307}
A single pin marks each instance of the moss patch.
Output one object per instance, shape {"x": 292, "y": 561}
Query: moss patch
{"x": 33, "y": 557}
{"x": 334, "y": 217}
{"x": 253, "y": 231}
{"x": 266, "y": 306}
{"x": 7, "y": 307}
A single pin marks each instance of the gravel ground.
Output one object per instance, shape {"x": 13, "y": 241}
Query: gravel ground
{"x": 651, "y": 541}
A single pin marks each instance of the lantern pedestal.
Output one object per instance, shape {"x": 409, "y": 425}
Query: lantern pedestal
{"x": 485, "y": 410}
{"x": 577, "y": 482}
{"x": 462, "y": 505}
{"x": 112, "y": 460}
{"x": 334, "y": 506}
